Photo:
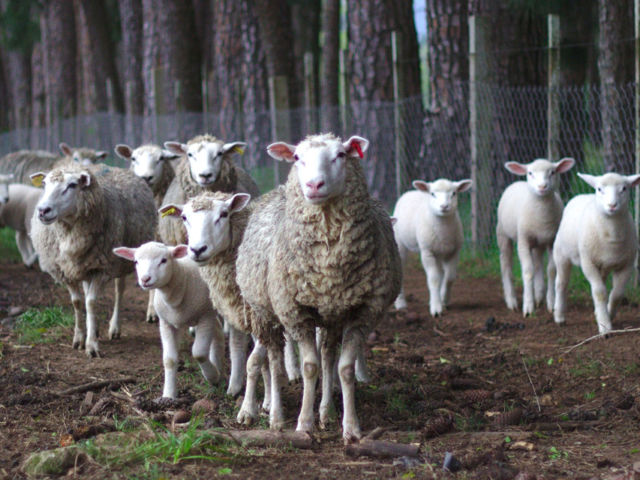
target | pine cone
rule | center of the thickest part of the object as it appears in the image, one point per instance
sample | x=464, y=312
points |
x=474, y=396
x=437, y=426
x=508, y=418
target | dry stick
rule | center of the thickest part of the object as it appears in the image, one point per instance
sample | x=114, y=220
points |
x=626, y=330
x=531, y=382
x=381, y=449
x=95, y=386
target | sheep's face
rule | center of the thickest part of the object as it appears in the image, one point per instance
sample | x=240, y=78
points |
x=60, y=196
x=541, y=174
x=442, y=194
x=612, y=190
x=321, y=164
x=4, y=188
x=147, y=161
x=154, y=262
x=82, y=156
x=205, y=158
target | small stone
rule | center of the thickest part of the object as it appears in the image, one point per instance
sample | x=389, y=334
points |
x=181, y=416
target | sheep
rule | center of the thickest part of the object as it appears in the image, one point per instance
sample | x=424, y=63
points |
x=215, y=223
x=181, y=300
x=529, y=213
x=598, y=234
x=206, y=165
x=84, y=213
x=24, y=163
x=152, y=164
x=16, y=213
x=320, y=252
x=428, y=222
x=5, y=180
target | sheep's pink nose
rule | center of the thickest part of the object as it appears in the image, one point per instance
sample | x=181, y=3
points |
x=146, y=279
x=314, y=186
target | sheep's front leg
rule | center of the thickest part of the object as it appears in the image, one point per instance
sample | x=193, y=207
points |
x=328, y=347
x=599, y=294
x=266, y=381
x=563, y=266
x=538, y=275
x=25, y=247
x=526, y=263
x=434, y=278
x=351, y=342
x=78, y=312
x=310, y=364
x=506, y=269
x=619, y=281
x=401, y=301
x=450, y=272
x=152, y=316
x=114, y=323
x=238, y=353
x=276, y=413
x=291, y=359
x=551, y=280
x=201, y=349
x=249, y=410
x=169, y=338
x=91, y=290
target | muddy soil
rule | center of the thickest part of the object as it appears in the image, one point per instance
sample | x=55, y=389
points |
x=499, y=392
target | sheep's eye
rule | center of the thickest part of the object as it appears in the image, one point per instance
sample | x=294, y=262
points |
x=296, y=157
x=530, y=173
x=184, y=218
x=599, y=190
x=454, y=194
x=224, y=214
x=190, y=155
x=342, y=155
x=553, y=173
x=72, y=185
x=624, y=188
x=164, y=260
x=433, y=195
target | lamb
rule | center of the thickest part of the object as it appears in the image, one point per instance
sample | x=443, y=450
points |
x=206, y=165
x=529, y=213
x=598, y=234
x=428, y=222
x=5, y=180
x=152, y=164
x=16, y=213
x=83, y=214
x=320, y=252
x=181, y=300
x=215, y=223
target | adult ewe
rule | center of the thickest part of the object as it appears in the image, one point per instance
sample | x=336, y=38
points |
x=529, y=213
x=83, y=214
x=321, y=253
x=597, y=233
x=17, y=204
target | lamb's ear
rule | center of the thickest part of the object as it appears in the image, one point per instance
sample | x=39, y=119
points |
x=179, y=251
x=634, y=180
x=421, y=185
x=123, y=151
x=65, y=149
x=234, y=147
x=516, y=168
x=125, y=252
x=167, y=155
x=37, y=178
x=171, y=210
x=463, y=185
x=176, y=147
x=238, y=202
x=590, y=179
x=564, y=165
x=394, y=220
x=84, y=180
x=282, y=151
x=101, y=155
x=356, y=146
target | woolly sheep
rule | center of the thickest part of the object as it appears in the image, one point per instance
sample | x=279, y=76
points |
x=529, y=213
x=215, y=223
x=428, y=222
x=5, y=180
x=320, y=252
x=83, y=214
x=598, y=234
x=181, y=300
x=206, y=165
x=16, y=213
x=152, y=164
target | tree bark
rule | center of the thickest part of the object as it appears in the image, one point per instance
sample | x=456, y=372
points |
x=329, y=89
x=38, y=92
x=17, y=66
x=131, y=52
x=305, y=21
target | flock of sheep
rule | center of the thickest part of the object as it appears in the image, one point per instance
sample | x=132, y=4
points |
x=315, y=263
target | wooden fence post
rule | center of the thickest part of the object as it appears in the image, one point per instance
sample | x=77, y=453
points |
x=399, y=94
x=553, y=84
x=310, y=103
x=280, y=121
x=159, y=105
x=345, y=99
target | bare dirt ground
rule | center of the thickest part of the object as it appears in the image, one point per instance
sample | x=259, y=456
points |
x=500, y=392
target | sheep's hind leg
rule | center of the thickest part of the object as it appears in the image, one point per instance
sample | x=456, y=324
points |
x=238, y=342
x=599, y=294
x=169, y=337
x=401, y=301
x=351, y=342
x=276, y=414
x=310, y=364
x=450, y=272
x=114, y=323
x=551, y=281
x=619, y=282
x=362, y=370
x=527, y=265
x=91, y=290
x=75, y=292
x=537, y=255
x=506, y=269
x=249, y=410
x=433, y=270
x=291, y=359
x=200, y=351
x=328, y=347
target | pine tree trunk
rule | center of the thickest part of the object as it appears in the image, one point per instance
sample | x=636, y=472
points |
x=18, y=77
x=305, y=21
x=329, y=89
x=131, y=52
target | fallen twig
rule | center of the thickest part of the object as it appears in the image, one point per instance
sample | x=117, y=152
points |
x=95, y=386
x=374, y=434
x=268, y=438
x=381, y=449
x=626, y=330
x=531, y=382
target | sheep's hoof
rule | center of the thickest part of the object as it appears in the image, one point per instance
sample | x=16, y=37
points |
x=114, y=335
x=246, y=418
x=78, y=345
x=304, y=426
x=276, y=423
x=93, y=353
x=234, y=390
x=266, y=405
x=152, y=318
x=351, y=434
x=401, y=304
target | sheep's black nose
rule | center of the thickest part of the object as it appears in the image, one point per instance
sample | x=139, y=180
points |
x=148, y=179
x=42, y=211
x=199, y=250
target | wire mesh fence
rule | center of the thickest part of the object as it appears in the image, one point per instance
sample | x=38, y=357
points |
x=408, y=140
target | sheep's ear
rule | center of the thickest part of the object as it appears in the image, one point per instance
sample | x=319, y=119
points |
x=564, y=165
x=282, y=151
x=463, y=185
x=101, y=155
x=394, y=220
x=37, y=178
x=634, y=180
x=516, y=168
x=167, y=155
x=65, y=149
x=125, y=252
x=421, y=185
x=84, y=180
x=356, y=146
x=238, y=202
x=123, y=151
x=179, y=251
x=590, y=179
x=176, y=147
x=170, y=210
x=234, y=147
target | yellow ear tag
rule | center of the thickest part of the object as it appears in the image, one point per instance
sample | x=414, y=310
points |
x=238, y=150
x=169, y=211
x=37, y=181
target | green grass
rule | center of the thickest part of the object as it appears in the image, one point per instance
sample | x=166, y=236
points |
x=8, y=248
x=41, y=326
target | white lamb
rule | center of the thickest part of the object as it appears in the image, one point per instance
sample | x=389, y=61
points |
x=5, y=180
x=428, y=222
x=529, y=213
x=597, y=233
x=181, y=299
x=19, y=204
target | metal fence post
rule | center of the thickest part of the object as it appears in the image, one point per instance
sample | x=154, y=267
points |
x=553, y=82
x=280, y=121
x=397, y=56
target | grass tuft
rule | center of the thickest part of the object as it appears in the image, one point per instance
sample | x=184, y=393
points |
x=41, y=326
x=8, y=248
